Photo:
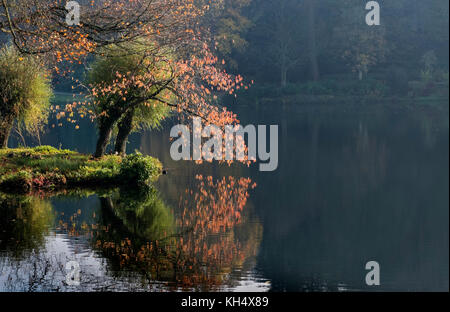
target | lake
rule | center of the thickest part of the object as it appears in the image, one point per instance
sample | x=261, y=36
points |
x=355, y=183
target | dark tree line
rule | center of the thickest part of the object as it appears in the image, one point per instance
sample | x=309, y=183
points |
x=306, y=40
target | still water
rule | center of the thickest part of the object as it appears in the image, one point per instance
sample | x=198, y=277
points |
x=354, y=184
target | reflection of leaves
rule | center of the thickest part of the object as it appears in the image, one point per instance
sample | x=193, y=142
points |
x=210, y=238
x=24, y=221
x=137, y=232
x=211, y=246
x=217, y=205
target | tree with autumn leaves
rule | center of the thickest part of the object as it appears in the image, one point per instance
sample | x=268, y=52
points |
x=161, y=52
x=129, y=80
x=126, y=83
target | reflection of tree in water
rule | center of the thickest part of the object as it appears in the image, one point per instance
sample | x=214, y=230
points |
x=38, y=272
x=208, y=239
x=141, y=213
x=368, y=167
x=24, y=222
x=145, y=243
x=371, y=155
x=213, y=223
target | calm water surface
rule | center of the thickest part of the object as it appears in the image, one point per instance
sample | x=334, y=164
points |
x=354, y=184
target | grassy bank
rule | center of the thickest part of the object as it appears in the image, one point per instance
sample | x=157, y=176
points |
x=45, y=167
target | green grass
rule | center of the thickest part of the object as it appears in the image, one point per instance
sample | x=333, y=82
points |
x=45, y=167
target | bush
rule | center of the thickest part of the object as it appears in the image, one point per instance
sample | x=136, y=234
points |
x=139, y=169
x=45, y=149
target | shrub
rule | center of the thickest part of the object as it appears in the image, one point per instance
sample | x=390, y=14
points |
x=138, y=169
x=45, y=149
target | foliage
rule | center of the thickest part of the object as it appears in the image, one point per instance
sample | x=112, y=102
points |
x=137, y=168
x=25, y=92
x=138, y=82
x=391, y=52
x=229, y=27
x=117, y=61
x=366, y=46
x=163, y=29
x=40, y=27
x=45, y=167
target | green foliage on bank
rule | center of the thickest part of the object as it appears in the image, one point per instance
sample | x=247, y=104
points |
x=45, y=167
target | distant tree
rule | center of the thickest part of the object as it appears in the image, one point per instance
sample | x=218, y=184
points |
x=229, y=27
x=287, y=35
x=25, y=92
x=415, y=27
x=360, y=45
x=278, y=35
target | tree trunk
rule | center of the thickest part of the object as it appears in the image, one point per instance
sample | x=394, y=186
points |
x=105, y=132
x=312, y=42
x=125, y=127
x=5, y=130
